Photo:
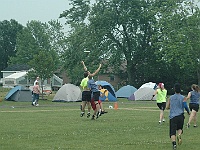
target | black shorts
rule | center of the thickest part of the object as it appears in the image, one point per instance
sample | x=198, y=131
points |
x=86, y=96
x=162, y=105
x=194, y=107
x=96, y=95
x=176, y=123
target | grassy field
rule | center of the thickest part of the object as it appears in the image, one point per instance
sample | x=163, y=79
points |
x=58, y=126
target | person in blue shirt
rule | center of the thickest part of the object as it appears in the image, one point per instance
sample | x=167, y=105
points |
x=194, y=97
x=176, y=116
x=95, y=95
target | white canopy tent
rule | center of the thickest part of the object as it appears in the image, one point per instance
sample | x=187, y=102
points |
x=15, y=79
x=150, y=85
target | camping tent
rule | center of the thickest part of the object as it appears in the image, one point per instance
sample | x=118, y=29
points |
x=68, y=93
x=126, y=91
x=144, y=93
x=150, y=85
x=110, y=96
x=19, y=93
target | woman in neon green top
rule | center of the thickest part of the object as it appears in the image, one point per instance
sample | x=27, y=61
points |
x=161, y=93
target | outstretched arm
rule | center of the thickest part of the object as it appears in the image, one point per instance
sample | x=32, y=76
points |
x=188, y=97
x=85, y=68
x=154, y=94
x=93, y=74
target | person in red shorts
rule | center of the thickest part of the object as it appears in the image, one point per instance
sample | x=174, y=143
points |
x=102, y=94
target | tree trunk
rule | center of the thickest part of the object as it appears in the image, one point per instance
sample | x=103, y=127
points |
x=130, y=72
x=42, y=83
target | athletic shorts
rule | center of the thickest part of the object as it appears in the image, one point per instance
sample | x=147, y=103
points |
x=86, y=96
x=176, y=123
x=93, y=104
x=96, y=95
x=194, y=107
x=162, y=105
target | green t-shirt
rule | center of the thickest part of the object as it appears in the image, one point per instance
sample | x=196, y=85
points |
x=84, y=83
x=161, y=95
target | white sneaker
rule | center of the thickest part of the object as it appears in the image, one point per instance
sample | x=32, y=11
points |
x=37, y=105
x=34, y=103
x=163, y=120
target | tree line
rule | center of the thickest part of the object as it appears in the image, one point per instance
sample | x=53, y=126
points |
x=157, y=40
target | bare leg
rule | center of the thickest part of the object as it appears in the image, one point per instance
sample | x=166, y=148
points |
x=96, y=111
x=173, y=138
x=161, y=115
x=83, y=108
x=89, y=106
x=195, y=118
x=192, y=116
x=179, y=132
x=179, y=140
x=101, y=106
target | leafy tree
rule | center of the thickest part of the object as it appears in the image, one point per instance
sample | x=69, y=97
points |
x=118, y=32
x=148, y=35
x=44, y=65
x=38, y=45
x=8, y=35
x=32, y=39
x=179, y=28
x=37, y=36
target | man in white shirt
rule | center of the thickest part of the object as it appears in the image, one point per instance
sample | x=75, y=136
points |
x=37, y=80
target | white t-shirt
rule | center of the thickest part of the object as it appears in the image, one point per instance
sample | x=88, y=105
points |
x=35, y=82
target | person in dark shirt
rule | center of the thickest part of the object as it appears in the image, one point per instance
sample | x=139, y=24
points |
x=176, y=116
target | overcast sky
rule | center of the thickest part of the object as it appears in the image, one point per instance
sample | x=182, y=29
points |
x=27, y=10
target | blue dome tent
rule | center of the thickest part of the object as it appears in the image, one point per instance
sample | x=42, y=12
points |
x=19, y=93
x=125, y=91
x=111, y=91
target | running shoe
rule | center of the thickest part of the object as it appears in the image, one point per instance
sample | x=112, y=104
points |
x=88, y=115
x=174, y=146
x=188, y=125
x=82, y=114
x=98, y=114
x=93, y=117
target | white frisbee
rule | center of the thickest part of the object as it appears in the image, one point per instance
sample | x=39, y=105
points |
x=86, y=51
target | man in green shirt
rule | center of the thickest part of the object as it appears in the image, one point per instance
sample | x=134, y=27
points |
x=86, y=95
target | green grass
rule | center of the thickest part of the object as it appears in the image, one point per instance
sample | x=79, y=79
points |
x=58, y=126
